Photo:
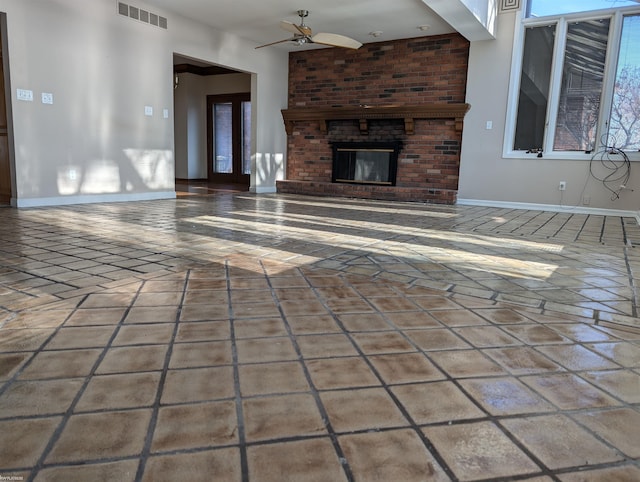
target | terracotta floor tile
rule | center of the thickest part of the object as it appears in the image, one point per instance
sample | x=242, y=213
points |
x=505, y=396
x=61, y=364
x=23, y=441
x=275, y=302
x=554, y=440
x=316, y=324
x=362, y=409
x=324, y=346
x=479, y=450
x=349, y=305
x=303, y=308
x=405, y=368
x=466, y=363
x=146, y=334
x=535, y=334
x=101, y=435
x=577, y=358
x=208, y=353
x=432, y=303
x=582, y=332
x=206, y=297
x=10, y=363
x=220, y=464
x=303, y=461
x=102, y=316
x=204, y=312
x=391, y=304
x=123, y=471
x=198, y=384
x=265, y=350
x=328, y=374
x=280, y=417
x=27, y=339
x=377, y=343
x=396, y=455
x=522, y=360
x=203, y=331
x=459, y=318
x=364, y=322
x=151, y=315
x=502, y=316
x=112, y=392
x=619, y=427
x=622, y=353
x=192, y=426
x=169, y=299
x=436, y=339
x=106, y=300
x=424, y=404
x=272, y=378
x=406, y=320
x=133, y=359
x=80, y=337
x=613, y=474
x=255, y=310
x=259, y=327
x=569, y=392
x=45, y=397
x=330, y=292
x=486, y=336
x=623, y=384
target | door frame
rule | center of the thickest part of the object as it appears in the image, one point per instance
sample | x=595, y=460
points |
x=236, y=100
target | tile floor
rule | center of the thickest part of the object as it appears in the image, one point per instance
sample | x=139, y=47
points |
x=235, y=337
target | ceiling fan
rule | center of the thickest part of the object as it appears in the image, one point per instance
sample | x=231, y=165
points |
x=304, y=35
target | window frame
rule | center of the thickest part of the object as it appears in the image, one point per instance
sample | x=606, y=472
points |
x=562, y=21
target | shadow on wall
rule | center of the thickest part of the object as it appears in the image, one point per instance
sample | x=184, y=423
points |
x=134, y=170
x=269, y=167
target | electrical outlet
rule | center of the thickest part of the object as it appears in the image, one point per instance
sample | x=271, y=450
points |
x=562, y=186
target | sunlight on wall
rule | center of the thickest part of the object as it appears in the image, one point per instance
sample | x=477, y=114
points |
x=139, y=169
x=154, y=166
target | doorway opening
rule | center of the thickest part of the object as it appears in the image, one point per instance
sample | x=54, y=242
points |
x=229, y=138
x=212, y=126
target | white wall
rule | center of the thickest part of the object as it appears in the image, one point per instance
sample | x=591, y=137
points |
x=95, y=142
x=488, y=177
x=190, y=100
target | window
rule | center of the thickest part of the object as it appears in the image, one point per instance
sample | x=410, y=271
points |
x=579, y=78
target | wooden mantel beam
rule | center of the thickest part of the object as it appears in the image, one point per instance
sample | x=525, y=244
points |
x=364, y=113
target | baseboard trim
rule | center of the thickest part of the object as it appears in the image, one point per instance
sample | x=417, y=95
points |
x=91, y=199
x=551, y=207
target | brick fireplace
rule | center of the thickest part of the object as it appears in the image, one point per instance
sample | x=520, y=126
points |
x=408, y=92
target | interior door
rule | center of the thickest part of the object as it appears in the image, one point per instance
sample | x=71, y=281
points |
x=229, y=138
x=5, y=171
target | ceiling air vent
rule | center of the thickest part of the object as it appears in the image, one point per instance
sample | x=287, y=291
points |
x=141, y=15
x=509, y=5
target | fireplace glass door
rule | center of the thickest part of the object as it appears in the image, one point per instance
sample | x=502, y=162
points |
x=365, y=164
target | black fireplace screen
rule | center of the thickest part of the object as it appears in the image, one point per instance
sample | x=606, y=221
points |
x=365, y=163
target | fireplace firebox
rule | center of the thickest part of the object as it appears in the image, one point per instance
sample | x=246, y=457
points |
x=365, y=162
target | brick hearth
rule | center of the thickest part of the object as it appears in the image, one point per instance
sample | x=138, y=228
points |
x=410, y=72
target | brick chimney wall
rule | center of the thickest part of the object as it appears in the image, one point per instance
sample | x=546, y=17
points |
x=402, y=72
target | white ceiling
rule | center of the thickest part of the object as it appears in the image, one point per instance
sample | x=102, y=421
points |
x=258, y=20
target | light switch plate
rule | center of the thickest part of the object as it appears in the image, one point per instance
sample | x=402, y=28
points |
x=26, y=95
x=148, y=110
x=165, y=113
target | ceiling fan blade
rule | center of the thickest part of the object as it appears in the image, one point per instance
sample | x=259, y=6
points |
x=275, y=43
x=335, y=40
x=295, y=29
